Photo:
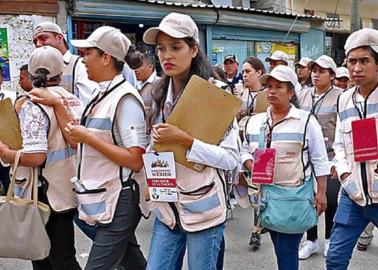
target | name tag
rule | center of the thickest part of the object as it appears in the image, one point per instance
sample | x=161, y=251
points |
x=161, y=176
x=264, y=165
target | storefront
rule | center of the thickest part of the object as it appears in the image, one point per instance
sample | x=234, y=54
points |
x=223, y=30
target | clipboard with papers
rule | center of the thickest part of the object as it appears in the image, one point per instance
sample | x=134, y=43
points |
x=205, y=112
x=10, y=132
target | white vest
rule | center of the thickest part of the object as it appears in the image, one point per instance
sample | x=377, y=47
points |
x=362, y=191
x=101, y=177
x=325, y=111
x=60, y=164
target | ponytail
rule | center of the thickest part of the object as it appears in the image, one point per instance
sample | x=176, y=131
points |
x=40, y=77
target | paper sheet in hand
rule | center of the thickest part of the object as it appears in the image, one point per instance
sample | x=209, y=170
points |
x=365, y=144
x=205, y=112
x=10, y=133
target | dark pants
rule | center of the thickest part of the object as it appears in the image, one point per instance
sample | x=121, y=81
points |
x=333, y=187
x=62, y=253
x=4, y=177
x=115, y=244
x=286, y=247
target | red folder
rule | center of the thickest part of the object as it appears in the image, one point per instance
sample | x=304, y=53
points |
x=263, y=166
x=364, y=133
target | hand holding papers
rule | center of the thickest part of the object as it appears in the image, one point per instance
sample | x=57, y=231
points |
x=205, y=112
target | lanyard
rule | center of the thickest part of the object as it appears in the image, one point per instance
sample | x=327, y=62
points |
x=97, y=99
x=249, y=106
x=318, y=104
x=173, y=105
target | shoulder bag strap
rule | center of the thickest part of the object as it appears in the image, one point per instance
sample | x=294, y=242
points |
x=13, y=180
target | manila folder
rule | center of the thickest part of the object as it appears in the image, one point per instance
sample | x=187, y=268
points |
x=10, y=133
x=205, y=112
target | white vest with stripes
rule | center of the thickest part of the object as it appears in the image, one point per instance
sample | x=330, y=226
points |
x=362, y=184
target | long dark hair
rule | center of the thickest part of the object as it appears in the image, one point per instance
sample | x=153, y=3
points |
x=256, y=64
x=200, y=66
x=40, y=78
x=294, y=99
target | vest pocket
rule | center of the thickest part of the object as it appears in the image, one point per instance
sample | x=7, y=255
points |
x=347, y=136
x=163, y=213
x=92, y=205
x=201, y=205
x=351, y=188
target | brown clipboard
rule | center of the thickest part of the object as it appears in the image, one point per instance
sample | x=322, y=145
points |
x=10, y=132
x=261, y=102
x=204, y=111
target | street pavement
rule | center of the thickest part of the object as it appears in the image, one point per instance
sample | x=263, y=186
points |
x=237, y=256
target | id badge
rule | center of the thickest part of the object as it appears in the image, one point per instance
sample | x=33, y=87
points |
x=264, y=165
x=365, y=146
x=161, y=176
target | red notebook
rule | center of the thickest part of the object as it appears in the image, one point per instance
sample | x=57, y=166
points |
x=364, y=133
x=263, y=166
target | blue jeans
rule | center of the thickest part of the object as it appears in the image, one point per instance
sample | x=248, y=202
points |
x=350, y=220
x=286, y=247
x=167, y=247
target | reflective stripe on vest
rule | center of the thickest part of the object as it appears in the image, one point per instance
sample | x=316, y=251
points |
x=296, y=137
x=60, y=154
x=99, y=123
x=94, y=208
x=201, y=206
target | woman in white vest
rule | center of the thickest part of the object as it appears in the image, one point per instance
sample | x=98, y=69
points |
x=297, y=138
x=321, y=100
x=45, y=148
x=112, y=139
x=196, y=221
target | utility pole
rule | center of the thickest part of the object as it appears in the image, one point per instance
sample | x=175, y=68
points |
x=355, y=18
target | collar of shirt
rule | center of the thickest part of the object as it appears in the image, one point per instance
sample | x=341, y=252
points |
x=67, y=57
x=153, y=77
x=293, y=113
x=105, y=85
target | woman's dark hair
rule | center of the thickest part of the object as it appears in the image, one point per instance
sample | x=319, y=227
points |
x=133, y=58
x=219, y=74
x=40, y=78
x=256, y=64
x=200, y=66
x=294, y=99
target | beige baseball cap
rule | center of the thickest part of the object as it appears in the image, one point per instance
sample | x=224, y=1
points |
x=324, y=61
x=277, y=56
x=47, y=27
x=46, y=57
x=108, y=39
x=342, y=72
x=360, y=38
x=281, y=73
x=176, y=25
x=303, y=62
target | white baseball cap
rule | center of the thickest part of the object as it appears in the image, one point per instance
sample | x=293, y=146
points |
x=342, y=72
x=281, y=73
x=324, y=61
x=304, y=61
x=108, y=39
x=49, y=27
x=360, y=38
x=277, y=56
x=46, y=57
x=176, y=25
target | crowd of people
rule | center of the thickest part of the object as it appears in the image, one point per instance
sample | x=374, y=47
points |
x=87, y=121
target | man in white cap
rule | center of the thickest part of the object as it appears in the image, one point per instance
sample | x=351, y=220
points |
x=75, y=79
x=342, y=78
x=277, y=58
x=303, y=72
x=358, y=203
